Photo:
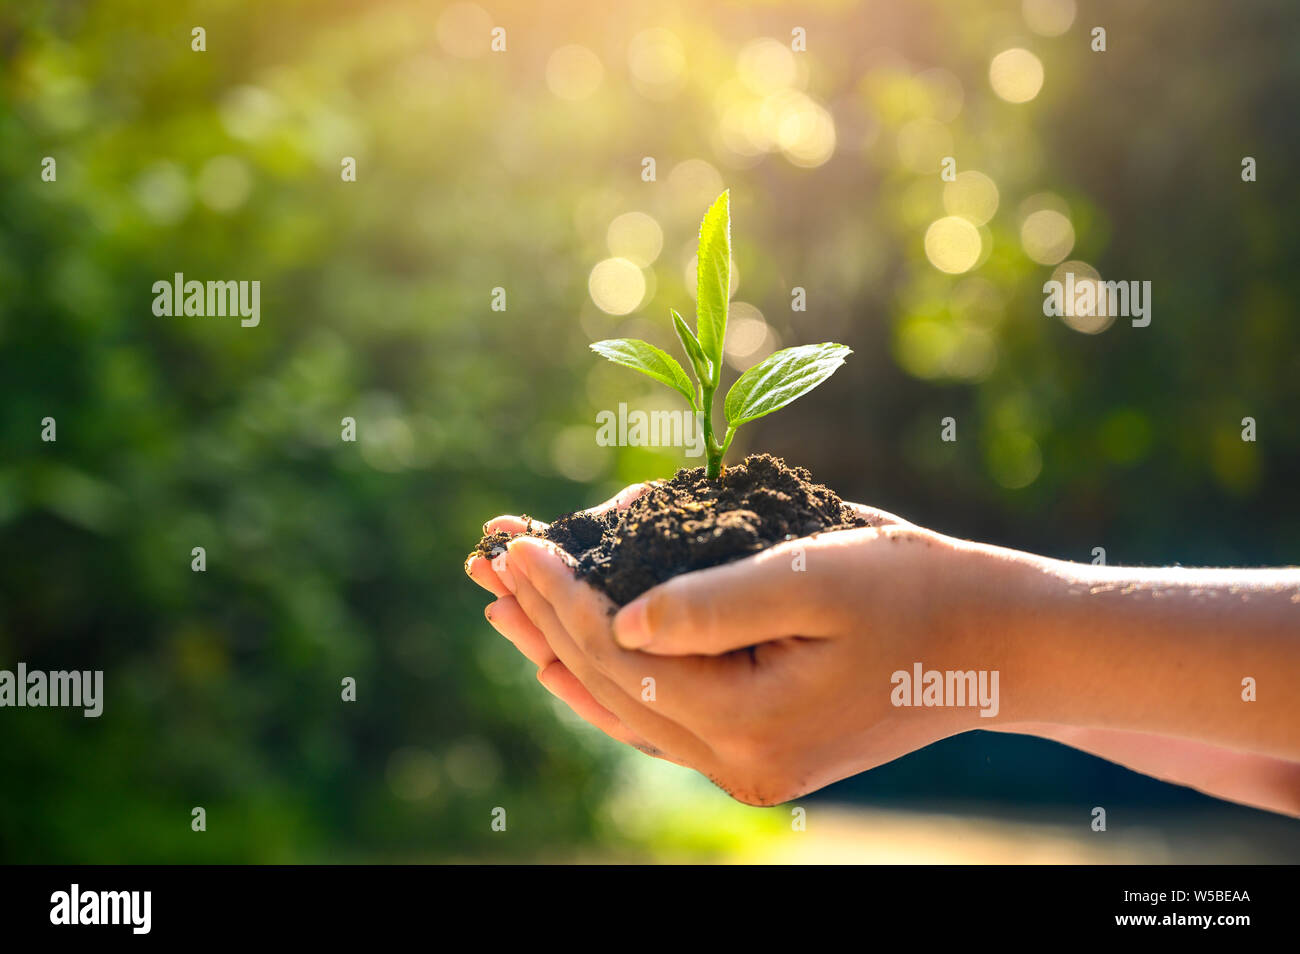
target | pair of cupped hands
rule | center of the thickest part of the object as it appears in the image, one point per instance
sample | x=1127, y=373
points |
x=769, y=675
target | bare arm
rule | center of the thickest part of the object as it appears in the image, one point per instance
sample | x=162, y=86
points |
x=1186, y=675
x=1205, y=655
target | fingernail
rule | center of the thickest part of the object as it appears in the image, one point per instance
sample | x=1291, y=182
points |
x=503, y=572
x=631, y=628
x=487, y=611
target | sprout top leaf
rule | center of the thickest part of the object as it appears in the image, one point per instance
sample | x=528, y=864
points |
x=713, y=281
x=766, y=387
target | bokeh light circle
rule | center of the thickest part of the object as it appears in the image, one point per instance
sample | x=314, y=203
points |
x=657, y=62
x=1049, y=17
x=1016, y=75
x=1047, y=236
x=953, y=245
x=766, y=65
x=574, y=72
x=971, y=195
x=617, y=286
x=749, y=337
x=1086, y=320
x=1014, y=459
x=636, y=237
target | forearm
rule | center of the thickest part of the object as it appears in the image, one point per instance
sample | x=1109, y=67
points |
x=1162, y=651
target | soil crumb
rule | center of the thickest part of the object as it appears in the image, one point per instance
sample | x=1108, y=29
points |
x=690, y=522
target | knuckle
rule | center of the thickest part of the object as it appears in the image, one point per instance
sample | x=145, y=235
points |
x=674, y=614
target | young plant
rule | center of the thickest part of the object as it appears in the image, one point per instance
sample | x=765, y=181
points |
x=766, y=387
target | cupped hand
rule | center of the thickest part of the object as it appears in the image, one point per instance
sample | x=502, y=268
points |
x=772, y=674
x=508, y=618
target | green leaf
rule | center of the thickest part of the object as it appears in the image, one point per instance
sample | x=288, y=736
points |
x=691, y=345
x=713, y=281
x=780, y=378
x=646, y=358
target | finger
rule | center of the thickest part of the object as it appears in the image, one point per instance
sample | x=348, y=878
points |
x=480, y=571
x=508, y=619
x=643, y=718
x=782, y=591
x=509, y=523
x=494, y=574
x=564, y=685
x=875, y=516
x=484, y=571
x=689, y=691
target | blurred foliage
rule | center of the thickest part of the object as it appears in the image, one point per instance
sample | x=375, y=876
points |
x=479, y=170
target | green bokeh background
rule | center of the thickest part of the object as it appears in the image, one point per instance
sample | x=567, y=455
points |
x=328, y=559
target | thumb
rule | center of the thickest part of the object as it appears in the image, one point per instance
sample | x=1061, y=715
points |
x=713, y=611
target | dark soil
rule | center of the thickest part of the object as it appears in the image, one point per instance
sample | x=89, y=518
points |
x=690, y=522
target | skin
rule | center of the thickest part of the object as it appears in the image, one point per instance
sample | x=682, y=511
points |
x=775, y=682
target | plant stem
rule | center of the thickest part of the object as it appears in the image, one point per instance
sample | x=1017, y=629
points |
x=712, y=448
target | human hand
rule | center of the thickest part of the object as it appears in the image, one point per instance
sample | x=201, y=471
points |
x=508, y=618
x=773, y=680
x=771, y=675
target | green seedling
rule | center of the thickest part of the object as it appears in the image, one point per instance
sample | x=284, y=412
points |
x=766, y=387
